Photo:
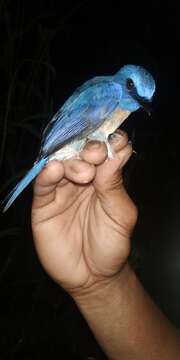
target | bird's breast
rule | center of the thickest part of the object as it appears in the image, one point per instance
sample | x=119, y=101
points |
x=114, y=121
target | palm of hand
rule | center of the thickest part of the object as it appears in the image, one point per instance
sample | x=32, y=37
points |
x=82, y=230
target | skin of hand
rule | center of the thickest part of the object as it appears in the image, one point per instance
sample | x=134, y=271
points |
x=82, y=220
x=82, y=216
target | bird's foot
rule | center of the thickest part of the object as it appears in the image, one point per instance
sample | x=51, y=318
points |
x=111, y=154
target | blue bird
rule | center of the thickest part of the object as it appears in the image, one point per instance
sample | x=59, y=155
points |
x=93, y=112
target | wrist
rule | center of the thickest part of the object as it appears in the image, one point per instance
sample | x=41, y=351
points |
x=105, y=290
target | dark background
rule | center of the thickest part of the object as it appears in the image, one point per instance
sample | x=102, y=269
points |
x=48, y=48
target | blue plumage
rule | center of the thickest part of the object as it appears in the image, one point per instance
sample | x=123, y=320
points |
x=32, y=173
x=83, y=112
x=94, y=110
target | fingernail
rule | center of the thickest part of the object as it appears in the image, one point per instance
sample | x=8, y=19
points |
x=93, y=145
x=116, y=137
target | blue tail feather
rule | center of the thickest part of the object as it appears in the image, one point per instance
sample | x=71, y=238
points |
x=32, y=173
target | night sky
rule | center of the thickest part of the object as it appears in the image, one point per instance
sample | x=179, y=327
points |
x=48, y=49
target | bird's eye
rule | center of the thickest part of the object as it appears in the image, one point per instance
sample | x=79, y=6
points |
x=130, y=84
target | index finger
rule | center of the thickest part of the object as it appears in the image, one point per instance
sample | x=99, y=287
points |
x=48, y=179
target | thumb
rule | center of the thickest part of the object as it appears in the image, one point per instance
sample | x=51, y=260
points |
x=109, y=185
x=109, y=174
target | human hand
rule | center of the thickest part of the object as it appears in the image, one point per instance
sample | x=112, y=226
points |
x=82, y=216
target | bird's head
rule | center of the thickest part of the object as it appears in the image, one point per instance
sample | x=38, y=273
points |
x=138, y=87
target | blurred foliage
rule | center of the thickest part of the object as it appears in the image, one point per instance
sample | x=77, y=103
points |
x=37, y=319
x=36, y=316
x=26, y=85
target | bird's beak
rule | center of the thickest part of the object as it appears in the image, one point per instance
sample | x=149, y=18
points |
x=143, y=102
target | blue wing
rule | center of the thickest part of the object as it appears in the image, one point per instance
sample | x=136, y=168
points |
x=82, y=113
